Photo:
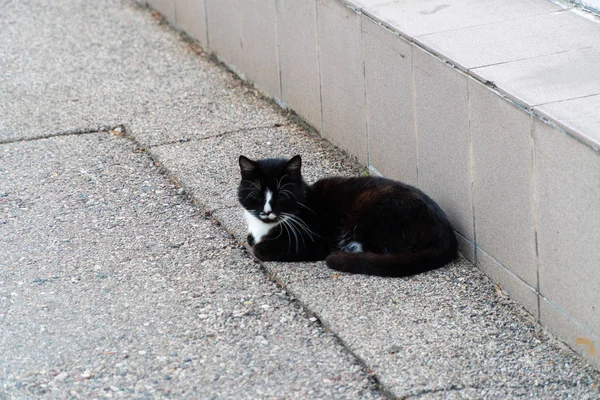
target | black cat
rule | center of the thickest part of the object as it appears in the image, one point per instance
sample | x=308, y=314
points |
x=364, y=225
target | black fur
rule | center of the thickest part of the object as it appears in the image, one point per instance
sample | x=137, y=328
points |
x=402, y=231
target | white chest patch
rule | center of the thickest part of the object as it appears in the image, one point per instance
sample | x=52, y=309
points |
x=256, y=227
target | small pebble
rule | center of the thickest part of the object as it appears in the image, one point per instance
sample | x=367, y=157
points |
x=62, y=376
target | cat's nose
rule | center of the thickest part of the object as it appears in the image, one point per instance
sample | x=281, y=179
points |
x=269, y=215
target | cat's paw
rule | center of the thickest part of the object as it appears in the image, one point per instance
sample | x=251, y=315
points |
x=261, y=252
x=250, y=239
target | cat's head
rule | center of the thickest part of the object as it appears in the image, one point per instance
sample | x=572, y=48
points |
x=271, y=188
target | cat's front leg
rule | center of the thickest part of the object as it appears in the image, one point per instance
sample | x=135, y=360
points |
x=250, y=239
x=265, y=252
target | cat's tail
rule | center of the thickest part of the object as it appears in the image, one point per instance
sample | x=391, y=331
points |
x=396, y=265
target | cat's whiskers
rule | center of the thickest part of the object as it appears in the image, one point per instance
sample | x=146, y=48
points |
x=287, y=191
x=252, y=193
x=255, y=184
x=299, y=230
x=280, y=179
x=307, y=207
x=286, y=195
x=300, y=225
x=293, y=231
x=301, y=222
x=288, y=235
x=280, y=232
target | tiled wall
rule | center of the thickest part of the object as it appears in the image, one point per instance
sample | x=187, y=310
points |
x=522, y=194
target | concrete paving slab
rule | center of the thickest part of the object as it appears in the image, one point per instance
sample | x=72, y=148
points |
x=511, y=40
x=112, y=284
x=76, y=66
x=450, y=333
x=415, y=17
x=547, y=79
x=209, y=168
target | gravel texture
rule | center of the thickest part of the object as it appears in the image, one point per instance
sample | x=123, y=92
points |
x=447, y=333
x=113, y=284
x=71, y=65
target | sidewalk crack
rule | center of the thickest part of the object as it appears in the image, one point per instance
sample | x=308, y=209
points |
x=72, y=132
x=451, y=388
x=217, y=135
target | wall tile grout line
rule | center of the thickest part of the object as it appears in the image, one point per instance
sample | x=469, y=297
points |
x=278, y=55
x=366, y=102
x=568, y=316
x=472, y=169
x=514, y=275
x=535, y=215
x=206, y=25
x=319, y=62
x=414, y=110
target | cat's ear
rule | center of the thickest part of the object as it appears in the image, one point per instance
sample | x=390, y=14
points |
x=293, y=166
x=247, y=165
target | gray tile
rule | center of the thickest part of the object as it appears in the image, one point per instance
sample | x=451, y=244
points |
x=592, y=5
x=225, y=31
x=444, y=168
x=364, y=4
x=503, y=181
x=342, y=78
x=515, y=39
x=518, y=290
x=417, y=17
x=390, y=103
x=567, y=179
x=299, y=58
x=259, y=44
x=578, y=116
x=191, y=17
x=165, y=7
x=466, y=248
x=547, y=79
x=580, y=339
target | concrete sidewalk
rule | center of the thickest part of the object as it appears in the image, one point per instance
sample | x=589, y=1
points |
x=112, y=283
